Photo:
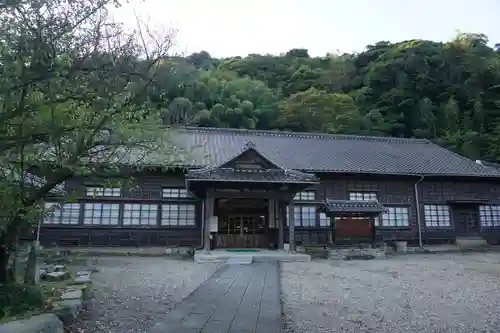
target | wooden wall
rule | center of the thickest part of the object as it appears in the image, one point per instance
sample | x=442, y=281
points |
x=391, y=190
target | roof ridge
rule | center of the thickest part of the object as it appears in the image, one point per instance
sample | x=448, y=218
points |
x=316, y=135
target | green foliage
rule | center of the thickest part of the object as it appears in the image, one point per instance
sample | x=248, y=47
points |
x=79, y=96
x=445, y=92
x=17, y=299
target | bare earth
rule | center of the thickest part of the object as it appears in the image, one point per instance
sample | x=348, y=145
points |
x=419, y=293
x=132, y=293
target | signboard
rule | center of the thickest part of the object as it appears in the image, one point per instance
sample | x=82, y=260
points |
x=214, y=224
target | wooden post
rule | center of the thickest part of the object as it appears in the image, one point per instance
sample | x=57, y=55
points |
x=281, y=224
x=291, y=227
x=209, y=211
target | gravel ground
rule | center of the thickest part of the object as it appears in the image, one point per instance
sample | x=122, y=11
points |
x=420, y=293
x=132, y=293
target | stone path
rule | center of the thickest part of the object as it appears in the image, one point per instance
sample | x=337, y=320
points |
x=236, y=299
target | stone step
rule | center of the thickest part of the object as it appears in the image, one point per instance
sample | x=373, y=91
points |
x=240, y=260
x=470, y=242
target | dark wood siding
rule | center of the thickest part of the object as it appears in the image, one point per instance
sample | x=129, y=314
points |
x=442, y=191
x=391, y=191
x=143, y=188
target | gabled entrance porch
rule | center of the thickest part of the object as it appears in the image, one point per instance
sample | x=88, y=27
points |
x=245, y=199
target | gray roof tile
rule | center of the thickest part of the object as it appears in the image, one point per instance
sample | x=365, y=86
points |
x=268, y=176
x=330, y=206
x=329, y=153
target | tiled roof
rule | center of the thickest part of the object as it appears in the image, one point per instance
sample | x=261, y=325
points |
x=245, y=175
x=492, y=164
x=316, y=152
x=352, y=207
x=30, y=179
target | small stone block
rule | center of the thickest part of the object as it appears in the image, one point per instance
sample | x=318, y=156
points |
x=48, y=268
x=83, y=273
x=92, y=269
x=84, y=279
x=56, y=276
x=47, y=322
x=59, y=268
x=67, y=311
x=75, y=294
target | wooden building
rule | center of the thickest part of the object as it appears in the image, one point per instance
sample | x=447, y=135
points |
x=261, y=189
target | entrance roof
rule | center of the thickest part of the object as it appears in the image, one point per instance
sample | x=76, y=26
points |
x=249, y=165
x=351, y=207
x=242, y=175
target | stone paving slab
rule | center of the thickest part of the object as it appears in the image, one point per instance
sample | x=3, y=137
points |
x=236, y=299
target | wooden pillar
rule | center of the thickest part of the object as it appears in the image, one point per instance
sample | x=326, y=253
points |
x=209, y=212
x=281, y=224
x=291, y=227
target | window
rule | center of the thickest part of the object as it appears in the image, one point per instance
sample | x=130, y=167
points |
x=96, y=191
x=437, y=216
x=139, y=214
x=362, y=196
x=489, y=216
x=175, y=193
x=395, y=217
x=324, y=221
x=178, y=214
x=101, y=214
x=56, y=213
x=305, y=196
x=305, y=216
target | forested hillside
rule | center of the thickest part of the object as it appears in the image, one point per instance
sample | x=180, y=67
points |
x=446, y=92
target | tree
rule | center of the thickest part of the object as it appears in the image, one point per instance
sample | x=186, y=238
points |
x=74, y=101
x=318, y=111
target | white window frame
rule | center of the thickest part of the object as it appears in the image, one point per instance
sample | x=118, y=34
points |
x=489, y=216
x=395, y=217
x=174, y=193
x=437, y=216
x=362, y=196
x=303, y=213
x=324, y=221
x=61, y=213
x=101, y=191
x=101, y=214
x=309, y=195
x=140, y=215
x=178, y=215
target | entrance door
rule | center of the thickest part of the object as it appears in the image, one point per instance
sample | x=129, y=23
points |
x=242, y=231
x=466, y=220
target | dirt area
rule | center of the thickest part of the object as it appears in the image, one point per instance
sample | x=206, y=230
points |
x=132, y=293
x=416, y=293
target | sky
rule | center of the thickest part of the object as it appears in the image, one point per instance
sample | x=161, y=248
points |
x=227, y=28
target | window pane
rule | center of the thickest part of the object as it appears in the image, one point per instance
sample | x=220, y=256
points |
x=175, y=193
x=52, y=213
x=324, y=221
x=56, y=213
x=362, y=196
x=139, y=214
x=489, y=215
x=101, y=214
x=305, y=195
x=437, y=216
x=95, y=191
x=178, y=215
x=394, y=217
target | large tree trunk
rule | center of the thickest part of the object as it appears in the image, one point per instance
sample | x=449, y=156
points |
x=6, y=274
